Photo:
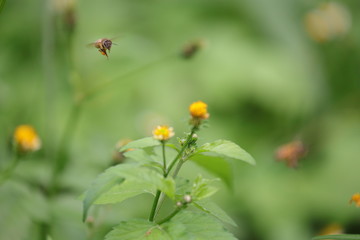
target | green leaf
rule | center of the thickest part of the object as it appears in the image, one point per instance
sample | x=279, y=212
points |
x=102, y=184
x=339, y=237
x=227, y=149
x=196, y=225
x=216, y=165
x=213, y=209
x=135, y=179
x=202, y=188
x=141, y=156
x=138, y=229
x=141, y=143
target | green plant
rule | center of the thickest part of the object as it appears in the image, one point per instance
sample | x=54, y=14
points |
x=147, y=171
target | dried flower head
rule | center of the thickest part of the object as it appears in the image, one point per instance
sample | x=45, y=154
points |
x=328, y=21
x=192, y=48
x=118, y=156
x=163, y=133
x=26, y=139
x=291, y=153
x=356, y=198
x=332, y=229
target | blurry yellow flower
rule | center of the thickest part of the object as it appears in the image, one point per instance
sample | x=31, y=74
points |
x=198, y=110
x=26, y=138
x=356, y=198
x=163, y=133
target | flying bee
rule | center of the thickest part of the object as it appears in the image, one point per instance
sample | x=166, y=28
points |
x=103, y=44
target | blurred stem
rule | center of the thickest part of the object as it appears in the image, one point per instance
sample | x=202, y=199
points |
x=61, y=160
x=98, y=88
x=6, y=174
x=2, y=4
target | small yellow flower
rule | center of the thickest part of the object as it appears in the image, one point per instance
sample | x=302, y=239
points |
x=163, y=133
x=26, y=138
x=198, y=110
x=356, y=198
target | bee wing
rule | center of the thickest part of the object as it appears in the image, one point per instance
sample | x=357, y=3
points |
x=89, y=45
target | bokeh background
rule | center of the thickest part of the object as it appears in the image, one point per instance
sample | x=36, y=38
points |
x=271, y=72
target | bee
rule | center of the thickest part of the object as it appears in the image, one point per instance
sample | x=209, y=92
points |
x=103, y=44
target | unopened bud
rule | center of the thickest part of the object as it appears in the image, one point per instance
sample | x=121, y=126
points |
x=179, y=204
x=187, y=198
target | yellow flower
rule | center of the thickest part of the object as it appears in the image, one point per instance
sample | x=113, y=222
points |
x=198, y=110
x=26, y=138
x=163, y=133
x=356, y=198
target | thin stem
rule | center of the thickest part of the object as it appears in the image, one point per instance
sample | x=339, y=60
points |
x=176, y=211
x=93, y=91
x=6, y=174
x=62, y=161
x=164, y=157
x=162, y=198
x=153, y=209
x=181, y=151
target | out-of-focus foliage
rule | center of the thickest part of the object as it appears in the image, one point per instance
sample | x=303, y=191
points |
x=267, y=79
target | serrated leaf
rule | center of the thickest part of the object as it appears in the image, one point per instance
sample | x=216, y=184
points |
x=202, y=189
x=124, y=191
x=102, y=184
x=139, y=179
x=339, y=237
x=196, y=225
x=141, y=156
x=141, y=143
x=138, y=229
x=227, y=149
x=216, y=165
x=213, y=209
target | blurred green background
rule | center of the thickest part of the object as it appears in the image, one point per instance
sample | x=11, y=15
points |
x=270, y=71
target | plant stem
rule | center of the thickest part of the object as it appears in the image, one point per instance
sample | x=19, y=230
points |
x=93, y=91
x=61, y=160
x=162, y=198
x=181, y=151
x=156, y=200
x=176, y=211
x=158, y=193
x=164, y=157
x=6, y=174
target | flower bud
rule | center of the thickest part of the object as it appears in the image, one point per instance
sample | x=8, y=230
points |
x=26, y=139
x=187, y=198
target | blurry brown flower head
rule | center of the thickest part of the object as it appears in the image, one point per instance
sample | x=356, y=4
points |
x=356, y=199
x=291, y=153
x=328, y=21
x=26, y=139
x=118, y=156
x=163, y=133
x=192, y=48
x=331, y=229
